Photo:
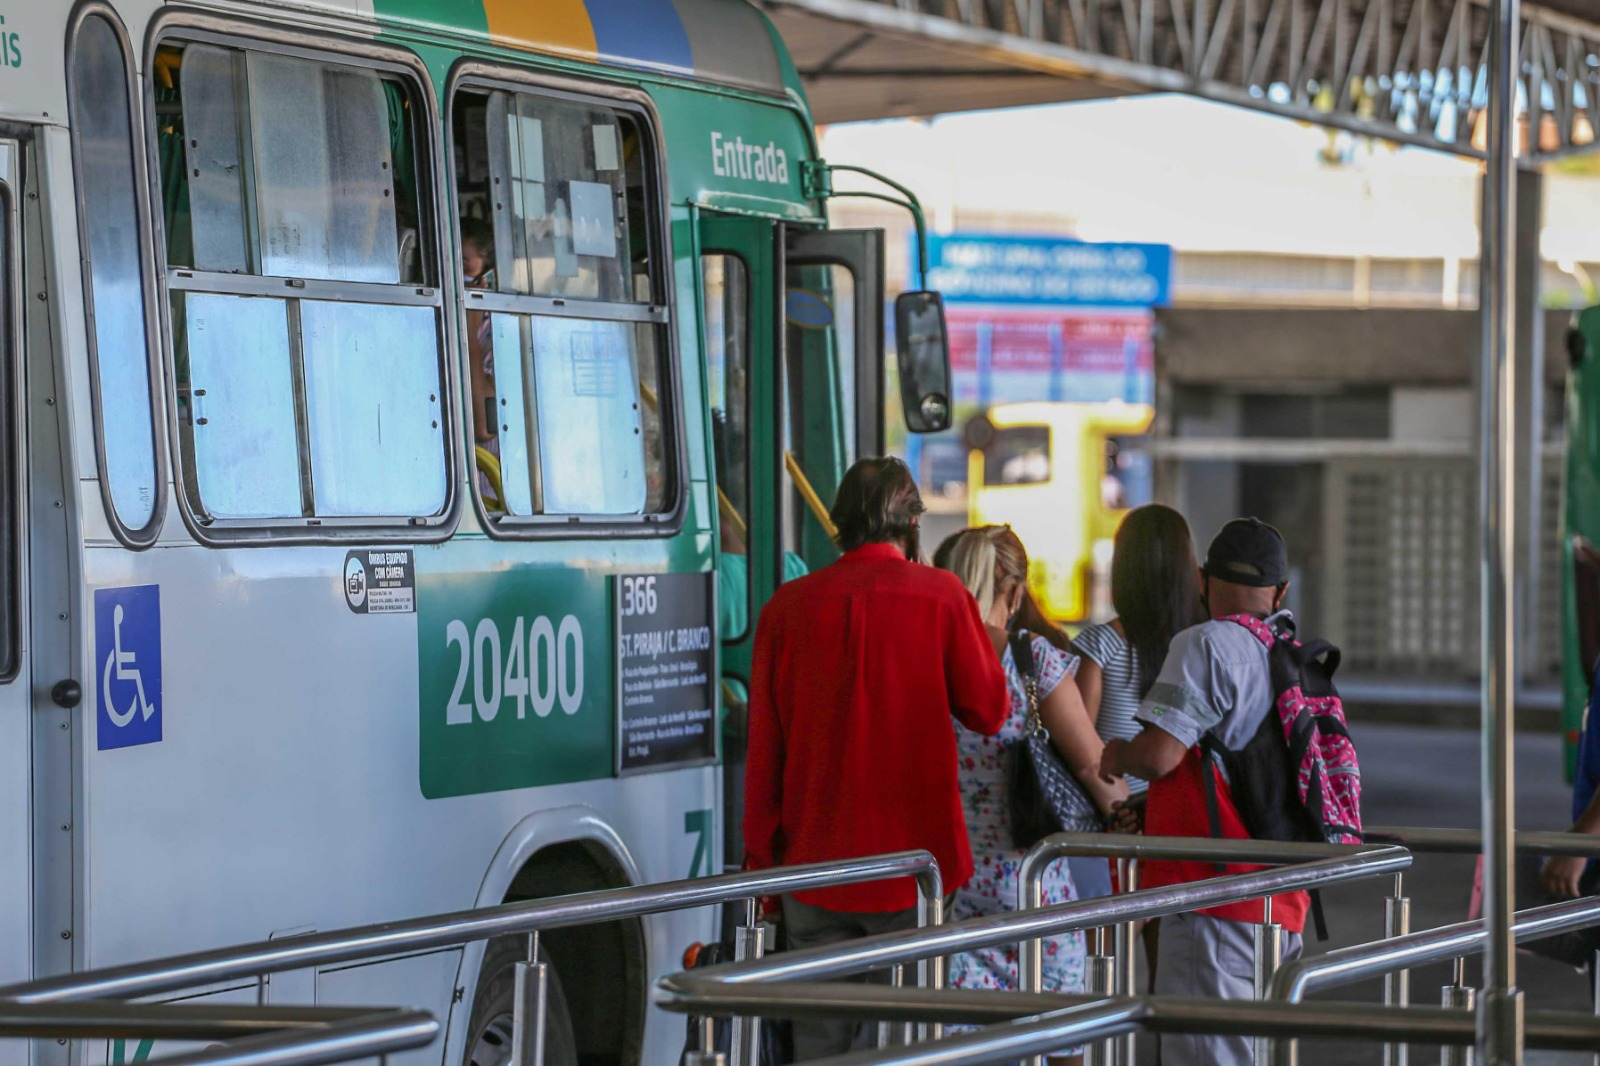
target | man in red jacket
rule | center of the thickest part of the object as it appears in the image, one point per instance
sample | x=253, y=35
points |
x=858, y=669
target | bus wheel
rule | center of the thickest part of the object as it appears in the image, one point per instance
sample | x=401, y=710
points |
x=489, y=1035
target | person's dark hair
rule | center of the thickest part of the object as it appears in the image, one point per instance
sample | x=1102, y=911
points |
x=877, y=503
x=477, y=231
x=990, y=560
x=946, y=548
x=1155, y=585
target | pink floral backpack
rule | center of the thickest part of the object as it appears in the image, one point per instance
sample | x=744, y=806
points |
x=1298, y=778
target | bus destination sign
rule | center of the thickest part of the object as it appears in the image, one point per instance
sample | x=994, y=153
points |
x=666, y=671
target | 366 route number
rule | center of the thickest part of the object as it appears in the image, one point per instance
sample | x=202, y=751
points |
x=638, y=595
x=540, y=666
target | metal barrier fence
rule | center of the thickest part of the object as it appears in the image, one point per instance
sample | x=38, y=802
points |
x=1389, y=958
x=727, y=989
x=267, y=1036
x=374, y=1034
x=258, y=1035
x=1114, y=974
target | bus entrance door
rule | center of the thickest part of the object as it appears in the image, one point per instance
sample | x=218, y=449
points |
x=793, y=323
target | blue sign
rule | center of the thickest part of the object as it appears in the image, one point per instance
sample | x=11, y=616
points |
x=127, y=656
x=1003, y=269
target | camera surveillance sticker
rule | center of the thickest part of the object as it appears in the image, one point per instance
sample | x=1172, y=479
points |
x=380, y=581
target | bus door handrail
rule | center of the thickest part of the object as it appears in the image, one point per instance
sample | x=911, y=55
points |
x=257, y=1035
x=454, y=929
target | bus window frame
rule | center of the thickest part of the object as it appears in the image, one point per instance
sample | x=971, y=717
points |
x=148, y=226
x=471, y=72
x=12, y=450
x=190, y=27
x=749, y=406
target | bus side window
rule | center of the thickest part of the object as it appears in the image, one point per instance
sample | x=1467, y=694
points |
x=309, y=363
x=116, y=285
x=566, y=399
x=727, y=310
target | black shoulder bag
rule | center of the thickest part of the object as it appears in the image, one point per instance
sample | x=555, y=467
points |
x=1042, y=795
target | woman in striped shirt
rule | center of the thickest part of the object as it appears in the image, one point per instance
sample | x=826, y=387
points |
x=1155, y=588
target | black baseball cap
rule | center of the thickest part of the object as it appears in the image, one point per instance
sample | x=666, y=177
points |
x=1247, y=551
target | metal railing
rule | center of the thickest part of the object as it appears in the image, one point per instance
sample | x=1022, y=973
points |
x=1427, y=841
x=356, y=1038
x=1363, y=961
x=1018, y=1025
x=256, y=1035
x=727, y=989
x=1114, y=974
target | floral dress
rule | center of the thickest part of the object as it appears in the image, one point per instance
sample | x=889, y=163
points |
x=993, y=887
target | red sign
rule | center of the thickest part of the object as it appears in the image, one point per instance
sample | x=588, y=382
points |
x=1042, y=341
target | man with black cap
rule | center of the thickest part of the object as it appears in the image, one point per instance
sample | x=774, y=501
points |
x=1216, y=682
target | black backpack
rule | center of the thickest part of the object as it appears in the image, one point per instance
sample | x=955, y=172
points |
x=1297, y=777
x=777, y=1036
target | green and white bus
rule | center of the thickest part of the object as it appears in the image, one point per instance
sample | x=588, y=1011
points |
x=393, y=389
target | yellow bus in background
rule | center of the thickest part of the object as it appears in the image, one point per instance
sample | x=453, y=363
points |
x=1056, y=473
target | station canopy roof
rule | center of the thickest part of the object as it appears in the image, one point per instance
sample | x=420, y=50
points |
x=1405, y=70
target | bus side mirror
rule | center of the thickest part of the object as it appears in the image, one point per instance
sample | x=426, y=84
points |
x=923, y=351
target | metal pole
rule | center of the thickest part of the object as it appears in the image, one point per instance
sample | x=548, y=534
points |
x=1594, y=986
x=531, y=991
x=1127, y=1048
x=1101, y=972
x=1268, y=950
x=1460, y=996
x=745, y=1040
x=705, y=1058
x=1500, y=1015
x=1396, y=986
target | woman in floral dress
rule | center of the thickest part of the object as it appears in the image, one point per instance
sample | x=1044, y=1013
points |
x=992, y=563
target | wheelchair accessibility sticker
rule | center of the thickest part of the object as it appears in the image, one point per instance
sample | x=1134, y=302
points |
x=127, y=650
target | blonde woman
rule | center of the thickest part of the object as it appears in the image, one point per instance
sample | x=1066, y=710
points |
x=993, y=565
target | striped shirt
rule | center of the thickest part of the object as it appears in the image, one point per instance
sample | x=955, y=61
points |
x=1119, y=685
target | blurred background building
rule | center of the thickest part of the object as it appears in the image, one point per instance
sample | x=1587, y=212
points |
x=1307, y=345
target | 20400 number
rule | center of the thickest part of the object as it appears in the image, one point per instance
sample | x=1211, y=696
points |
x=540, y=666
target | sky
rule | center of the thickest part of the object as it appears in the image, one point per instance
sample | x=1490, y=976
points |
x=1201, y=176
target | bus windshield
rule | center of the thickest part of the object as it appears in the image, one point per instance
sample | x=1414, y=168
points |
x=1019, y=455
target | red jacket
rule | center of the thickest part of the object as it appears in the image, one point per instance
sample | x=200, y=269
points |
x=1176, y=807
x=858, y=669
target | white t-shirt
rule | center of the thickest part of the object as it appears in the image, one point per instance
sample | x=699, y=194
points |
x=1216, y=679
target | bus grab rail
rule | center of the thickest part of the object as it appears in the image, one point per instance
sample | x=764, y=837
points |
x=259, y=1035
x=255, y=960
